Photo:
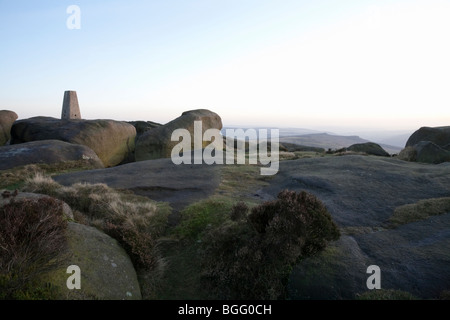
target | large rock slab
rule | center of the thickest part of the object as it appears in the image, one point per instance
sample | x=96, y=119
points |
x=414, y=257
x=362, y=190
x=106, y=270
x=160, y=180
x=361, y=193
x=156, y=143
x=7, y=119
x=47, y=152
x=113, y=141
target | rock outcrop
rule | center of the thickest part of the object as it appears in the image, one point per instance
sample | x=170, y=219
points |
x=143, y=126
x=112, y=141
x=438, y=135
x=156, y=143
x=426, y=152
x=159, y=179
x=369, y=148
x=428, y=145
x=7, y=119
x=47, y=152
x=106, y=270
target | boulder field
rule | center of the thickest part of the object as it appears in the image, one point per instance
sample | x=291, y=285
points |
x=112, y=141
x=360, y=192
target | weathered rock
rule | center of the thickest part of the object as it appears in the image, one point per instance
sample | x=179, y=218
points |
x=369, y=148
x=47, y=152
x=413, y=257
x=7, y=196
x=70, y=108
x=7, y=119
x=438, y=135
x=156, y=143
x=111, y=140
x=336, y=273
x=159, y=179
x=107, y=272
x=428, y=152
x=143, y=126
x=425, y=152
x=340, y=271
x=408, y=154
x=360, y=190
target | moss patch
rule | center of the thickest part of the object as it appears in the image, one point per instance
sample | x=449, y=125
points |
x=386, y=294
x=419, y=211
x=203, y=215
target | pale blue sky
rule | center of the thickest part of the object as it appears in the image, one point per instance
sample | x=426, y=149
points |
x=290, y=63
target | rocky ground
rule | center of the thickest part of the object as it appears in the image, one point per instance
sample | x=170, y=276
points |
x=361, y=193
x=158, y=179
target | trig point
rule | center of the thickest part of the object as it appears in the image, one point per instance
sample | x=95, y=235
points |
x=70, y=109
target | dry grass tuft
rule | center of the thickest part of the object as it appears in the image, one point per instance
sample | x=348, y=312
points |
x=32, y=242
x=135, y=222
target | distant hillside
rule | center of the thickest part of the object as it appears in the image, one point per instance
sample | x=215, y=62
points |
x=323, y=140
x=319, y=139
x=283, y=132
x=398, y=140
x=328, y=141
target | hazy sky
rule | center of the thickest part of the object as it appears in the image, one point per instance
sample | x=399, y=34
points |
x=290, y=63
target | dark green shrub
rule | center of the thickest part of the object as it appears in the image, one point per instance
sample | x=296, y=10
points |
x=201, y=216
x=252, y=259
x=140, y=246
x=32, y=242
x=239, y=211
